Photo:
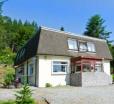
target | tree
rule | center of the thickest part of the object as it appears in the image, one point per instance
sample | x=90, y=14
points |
x=24, y=96
x=95, y=28
x=13, y=35
x=1, y=5
x=62, y=29
x=7, y=56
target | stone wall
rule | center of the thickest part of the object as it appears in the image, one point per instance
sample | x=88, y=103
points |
x=95, y=79
x=90, y=79
x=75, y=79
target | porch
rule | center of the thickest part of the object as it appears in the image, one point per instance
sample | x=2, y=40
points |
x=88, y=71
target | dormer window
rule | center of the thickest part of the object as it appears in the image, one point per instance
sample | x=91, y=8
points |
x=82, y=46
x=72, y=44
x=91, y=47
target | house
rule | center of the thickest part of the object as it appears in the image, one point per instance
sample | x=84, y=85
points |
x=61, y=58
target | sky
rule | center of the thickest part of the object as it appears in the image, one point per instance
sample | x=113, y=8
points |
x=73, y=15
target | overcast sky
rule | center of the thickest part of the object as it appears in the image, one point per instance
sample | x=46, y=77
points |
x=71, y=14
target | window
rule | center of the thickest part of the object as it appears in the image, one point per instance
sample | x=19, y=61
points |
x=59, y=66
x=72, y=44
x=86, y=68
x=98, y=67
x=91, y=47
x=82, y=46
x=30, y=70
x=21, y=70
x=78, y=68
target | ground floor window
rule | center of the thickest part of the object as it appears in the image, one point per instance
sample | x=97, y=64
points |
x=98, y=67
x=59, y=67
x=21, y=70
x=86, y=67
x=30, y=69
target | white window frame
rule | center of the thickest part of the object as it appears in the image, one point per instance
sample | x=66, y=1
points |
x=66, y=70
x=92, y=44
x=85, y=43
x=75, y=44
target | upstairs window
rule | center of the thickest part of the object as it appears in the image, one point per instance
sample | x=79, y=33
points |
x=82, y=46
x=91, y=47
x=72, y=44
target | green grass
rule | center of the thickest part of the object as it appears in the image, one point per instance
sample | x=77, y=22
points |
x=7, y=102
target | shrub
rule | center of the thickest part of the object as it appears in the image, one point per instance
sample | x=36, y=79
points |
x=8, y=79
x=48, y=85
x=24, y=96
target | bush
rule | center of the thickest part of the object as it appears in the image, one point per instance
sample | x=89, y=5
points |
x=24, y=96
x=8, y=79
x=48, y=85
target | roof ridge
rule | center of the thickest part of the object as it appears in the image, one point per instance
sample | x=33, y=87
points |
x=70, y=33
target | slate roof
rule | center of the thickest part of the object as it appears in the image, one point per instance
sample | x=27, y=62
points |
x=49, y=41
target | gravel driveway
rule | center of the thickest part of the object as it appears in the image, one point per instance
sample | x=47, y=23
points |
x=70, y=95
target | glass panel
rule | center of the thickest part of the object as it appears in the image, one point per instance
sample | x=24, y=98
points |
x=30, y=71
x=58, y=62
x=59, y=66
x=98, y=68
x=86, y=68
x=78, y=68
x=21, y=70
x=83, y=46
x=91, y=47
x=72, y=44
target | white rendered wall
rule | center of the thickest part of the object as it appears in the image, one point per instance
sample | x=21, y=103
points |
x=106, y=66
x=45, y=71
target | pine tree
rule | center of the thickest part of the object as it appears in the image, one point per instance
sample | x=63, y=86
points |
x=24, y=96
x=95, y=28
x=1, y=5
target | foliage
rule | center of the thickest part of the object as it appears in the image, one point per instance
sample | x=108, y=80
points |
x=95, y=28
x=13, y=35
x=1, y=5
x=48, y=85
x=5, y=72
x=24, y=96
x=6, y=56
x=7, y=102
x=7, y=75
x=8, y=79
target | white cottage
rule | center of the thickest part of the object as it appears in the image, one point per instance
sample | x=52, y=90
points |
x=63, y=58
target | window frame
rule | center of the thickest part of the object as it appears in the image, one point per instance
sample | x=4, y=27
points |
x=98, y=64
x=61, y=73
x=93, y=45
x=79, y=46
x=29, y=70
x=76, y=44
x=87, y=64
